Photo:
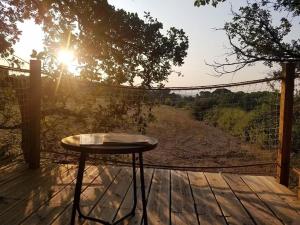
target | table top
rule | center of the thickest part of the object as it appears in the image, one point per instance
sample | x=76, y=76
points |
x=109, y=143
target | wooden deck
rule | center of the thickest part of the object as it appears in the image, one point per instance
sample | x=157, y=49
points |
x=45, y=196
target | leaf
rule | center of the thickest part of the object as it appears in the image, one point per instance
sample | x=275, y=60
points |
x=33, y=54
x=40, y=55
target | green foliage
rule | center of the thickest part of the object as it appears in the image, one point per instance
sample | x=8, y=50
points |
x=178, y=101
x=12, y=95
x=249, y=116
x=206, y=2
x=290, y=5
x=72, y=105
x=233, y=120
x=254, y=36
x=111, y=45
x=256, y=126
x=119, y=46
x=258, y=38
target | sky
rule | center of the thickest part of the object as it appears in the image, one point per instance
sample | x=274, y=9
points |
x=205, y=43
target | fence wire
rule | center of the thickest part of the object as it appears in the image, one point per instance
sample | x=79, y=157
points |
x=232, y=128
x=295, y=159
x=14, y=111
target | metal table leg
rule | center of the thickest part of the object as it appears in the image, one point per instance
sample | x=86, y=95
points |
x=132, y=211
x=78, y=187
x=145, y=219
x=76, y=202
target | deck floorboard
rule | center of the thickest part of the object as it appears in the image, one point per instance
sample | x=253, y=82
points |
x=45, y=196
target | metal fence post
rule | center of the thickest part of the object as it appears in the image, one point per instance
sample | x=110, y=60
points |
x=285, y=123
x=35, y=113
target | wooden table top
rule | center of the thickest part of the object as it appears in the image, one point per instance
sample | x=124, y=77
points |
x=109, y=143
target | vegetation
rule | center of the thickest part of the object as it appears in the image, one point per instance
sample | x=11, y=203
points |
x=253, y=117
x=112, y=47
x=80, y=106
x=254, y=35
x=115, y=47
x=249, y=116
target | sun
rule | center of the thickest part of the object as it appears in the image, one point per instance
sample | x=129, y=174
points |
x=67, y=58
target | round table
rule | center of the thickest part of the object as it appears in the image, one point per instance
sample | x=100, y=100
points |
x=109, y=143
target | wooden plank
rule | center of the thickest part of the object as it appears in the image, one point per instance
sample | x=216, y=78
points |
x=34, y=199
x=20, y=188
x=282, y=210
x=127, y=202
x=285, y=123
x=158, y=206
x=12, y=192
x=207, y=207
x=6, y=165
x=182, y=204
x=231, y=207
x=16, y=170
x=52, y=208
x=91, y=195
x=109, y=204
x=12, y=173
x=282, y=191
x=258, y=210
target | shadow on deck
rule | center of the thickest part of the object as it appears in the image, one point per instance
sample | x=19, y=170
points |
x=45, y=196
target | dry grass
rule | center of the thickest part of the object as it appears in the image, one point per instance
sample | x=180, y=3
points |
x=184, y=141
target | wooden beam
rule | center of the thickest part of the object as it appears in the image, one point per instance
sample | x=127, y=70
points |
x=35, y=113
x=285, y=123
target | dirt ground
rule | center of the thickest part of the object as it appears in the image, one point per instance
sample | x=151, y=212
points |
x=184, y=141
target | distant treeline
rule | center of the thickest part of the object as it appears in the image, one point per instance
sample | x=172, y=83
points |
x=253, y=117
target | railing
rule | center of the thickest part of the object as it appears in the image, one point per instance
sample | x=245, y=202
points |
x=21, y=95
x=50, y=110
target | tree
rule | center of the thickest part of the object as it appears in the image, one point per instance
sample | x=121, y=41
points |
x=114, y=44
x=112, y=47
x=291, y=5
x=254, y=37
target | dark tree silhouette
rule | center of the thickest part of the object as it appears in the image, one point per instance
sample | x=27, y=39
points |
x=254, y=37
x=111, y=44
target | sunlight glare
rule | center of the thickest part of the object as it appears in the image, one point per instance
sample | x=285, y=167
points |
x=66, y=57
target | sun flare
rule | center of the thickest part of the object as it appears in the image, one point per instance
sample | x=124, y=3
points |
x=67, y=58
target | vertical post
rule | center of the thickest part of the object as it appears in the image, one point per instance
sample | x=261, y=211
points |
x=285, y=123
x=35, y=113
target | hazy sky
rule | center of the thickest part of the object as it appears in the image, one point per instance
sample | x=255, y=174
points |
x=206, y=44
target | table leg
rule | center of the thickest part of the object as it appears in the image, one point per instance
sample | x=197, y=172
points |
x=78, y=187
x=76, y=202
x=134, y=185
x=132, y=211
x=143, y=189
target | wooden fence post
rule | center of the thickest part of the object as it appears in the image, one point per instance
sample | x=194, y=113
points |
x=35, y=113
x=285, y=123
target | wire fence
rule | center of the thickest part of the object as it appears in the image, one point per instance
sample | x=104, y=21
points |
x=295, y=159
x=230, y=127
x=14, y=111
x=226, y=128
